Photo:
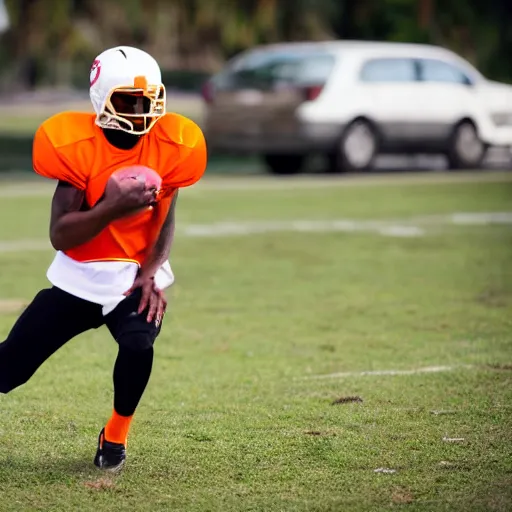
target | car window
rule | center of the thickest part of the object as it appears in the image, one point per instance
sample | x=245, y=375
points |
x=389, y=70
x=269, y=70
x=432, y=70
x=314, y=70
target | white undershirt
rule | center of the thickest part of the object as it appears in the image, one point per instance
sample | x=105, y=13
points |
x=100, y=282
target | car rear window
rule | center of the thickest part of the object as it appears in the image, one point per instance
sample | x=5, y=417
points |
x=271, y=70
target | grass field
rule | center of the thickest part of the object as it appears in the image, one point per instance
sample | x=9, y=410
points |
x=358, y=360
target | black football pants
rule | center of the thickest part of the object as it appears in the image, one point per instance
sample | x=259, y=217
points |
x=54, y=317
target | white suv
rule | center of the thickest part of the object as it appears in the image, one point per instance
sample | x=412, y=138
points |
x=352, y=100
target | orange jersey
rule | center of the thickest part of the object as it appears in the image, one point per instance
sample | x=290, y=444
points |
x=71, y=148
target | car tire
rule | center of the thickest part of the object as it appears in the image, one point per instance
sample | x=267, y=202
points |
x=284, y=164
x=357, y=148
x=466, y=149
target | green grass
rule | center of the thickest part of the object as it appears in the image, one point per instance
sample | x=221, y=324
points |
x=233, y=419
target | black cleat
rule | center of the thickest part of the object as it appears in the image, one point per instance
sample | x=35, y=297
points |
x=109, y=456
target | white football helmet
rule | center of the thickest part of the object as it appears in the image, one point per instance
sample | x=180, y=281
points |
x=126, y=90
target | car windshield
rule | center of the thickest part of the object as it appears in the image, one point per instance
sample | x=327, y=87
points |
x=271, y=70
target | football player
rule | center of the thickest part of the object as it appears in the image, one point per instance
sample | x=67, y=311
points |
x=112, y=236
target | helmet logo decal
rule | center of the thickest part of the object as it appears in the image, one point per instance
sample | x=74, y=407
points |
x=95, y=71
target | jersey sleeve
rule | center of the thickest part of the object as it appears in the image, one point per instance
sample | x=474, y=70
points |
x=50, y=162
x=192, y=162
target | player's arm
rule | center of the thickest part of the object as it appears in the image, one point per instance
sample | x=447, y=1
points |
x=188, y=172
x=71, y=227
x=161, y=249
x=153, y=298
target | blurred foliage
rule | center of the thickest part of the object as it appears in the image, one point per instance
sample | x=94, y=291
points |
x=51, y=42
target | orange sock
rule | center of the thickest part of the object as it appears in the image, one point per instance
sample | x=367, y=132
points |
x=116, y=430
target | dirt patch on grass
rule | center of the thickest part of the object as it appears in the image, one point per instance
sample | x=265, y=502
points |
x=402, y=496
x=347, y=400
x=102, y=484
x=319, y=433
x=501, y=367
x=493, y=298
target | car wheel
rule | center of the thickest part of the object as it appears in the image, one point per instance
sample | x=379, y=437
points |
x=466, y=150
x=283, y=164
x=357, y=148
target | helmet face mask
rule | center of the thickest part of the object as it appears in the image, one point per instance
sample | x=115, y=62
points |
x=126, y=90
x=135, y=110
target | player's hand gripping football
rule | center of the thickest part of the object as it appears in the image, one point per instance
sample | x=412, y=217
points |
x=129, y=195
x=153, y=299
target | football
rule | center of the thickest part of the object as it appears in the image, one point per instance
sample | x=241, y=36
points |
x=139, y=172
x=151, y=178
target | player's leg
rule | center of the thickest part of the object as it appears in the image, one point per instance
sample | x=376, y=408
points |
x=132, y=370
x=52, y=319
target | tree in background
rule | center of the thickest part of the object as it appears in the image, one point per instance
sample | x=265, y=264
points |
x=50, y=41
